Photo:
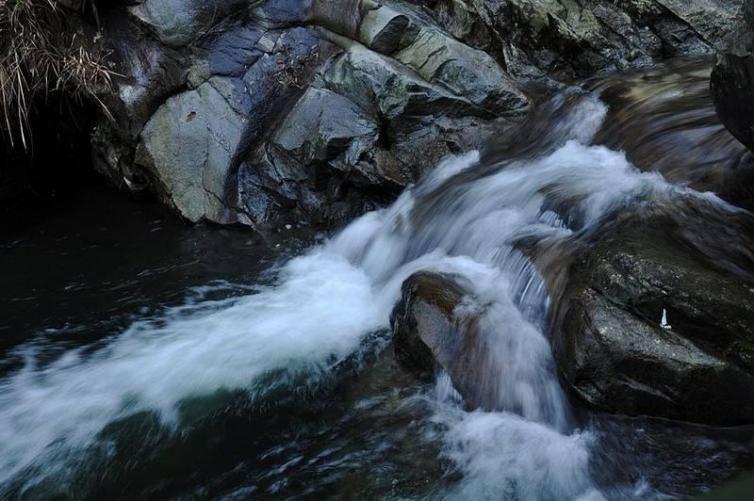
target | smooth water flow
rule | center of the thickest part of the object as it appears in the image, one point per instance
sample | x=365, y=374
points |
x=468, y=218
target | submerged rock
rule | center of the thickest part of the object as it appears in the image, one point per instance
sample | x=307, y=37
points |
x=665, y=121
x=433, y=330
x=658, y=316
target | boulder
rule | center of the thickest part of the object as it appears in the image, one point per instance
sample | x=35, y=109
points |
x=658, y=316
x=435, y=328
x=189, y=144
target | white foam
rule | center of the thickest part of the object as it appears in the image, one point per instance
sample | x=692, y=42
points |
x=313, y=318
x=503, y=456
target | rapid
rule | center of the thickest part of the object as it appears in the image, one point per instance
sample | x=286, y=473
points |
x=322, y=316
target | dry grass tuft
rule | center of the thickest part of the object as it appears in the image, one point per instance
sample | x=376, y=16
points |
x=43, y=50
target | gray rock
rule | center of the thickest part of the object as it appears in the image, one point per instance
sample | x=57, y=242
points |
x=412, y=88
x=324, y=125
x=234, y=51
x=386, y=30
x=179, y=22
x=465, y=71
x=713, y=20
x=567, y=39
x=350, y=125
x=415, y=41
x=392, y=90
x=339, y=16
x=189, y=144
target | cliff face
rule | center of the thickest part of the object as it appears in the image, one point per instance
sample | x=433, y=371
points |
x=261, y=112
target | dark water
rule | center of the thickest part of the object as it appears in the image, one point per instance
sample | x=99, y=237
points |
x=77, y=272
x=131, y=347
x=81, y=267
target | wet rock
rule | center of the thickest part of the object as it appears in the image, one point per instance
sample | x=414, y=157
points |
x=423, y=320
x=649, y=326
x=435, y=329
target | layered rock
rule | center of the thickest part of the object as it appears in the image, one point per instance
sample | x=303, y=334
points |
x=255, y=113
x=565, y=39
x=207, y=114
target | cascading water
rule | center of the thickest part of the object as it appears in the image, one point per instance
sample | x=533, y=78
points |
x=467, y=218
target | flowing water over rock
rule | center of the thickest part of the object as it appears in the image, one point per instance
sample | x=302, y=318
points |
x=289, y=379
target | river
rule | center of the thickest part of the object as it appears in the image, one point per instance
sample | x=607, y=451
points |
x=141, y=358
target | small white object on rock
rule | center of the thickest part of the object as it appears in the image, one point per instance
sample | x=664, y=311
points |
x=288, y=226
x=664, y=321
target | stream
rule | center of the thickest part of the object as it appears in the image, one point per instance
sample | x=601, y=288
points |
x=140, y=358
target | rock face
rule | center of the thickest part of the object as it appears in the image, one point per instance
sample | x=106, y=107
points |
x=648, y=325
x=733, y=77
x=565, y=39
x=262, y=112
x=259, y=112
